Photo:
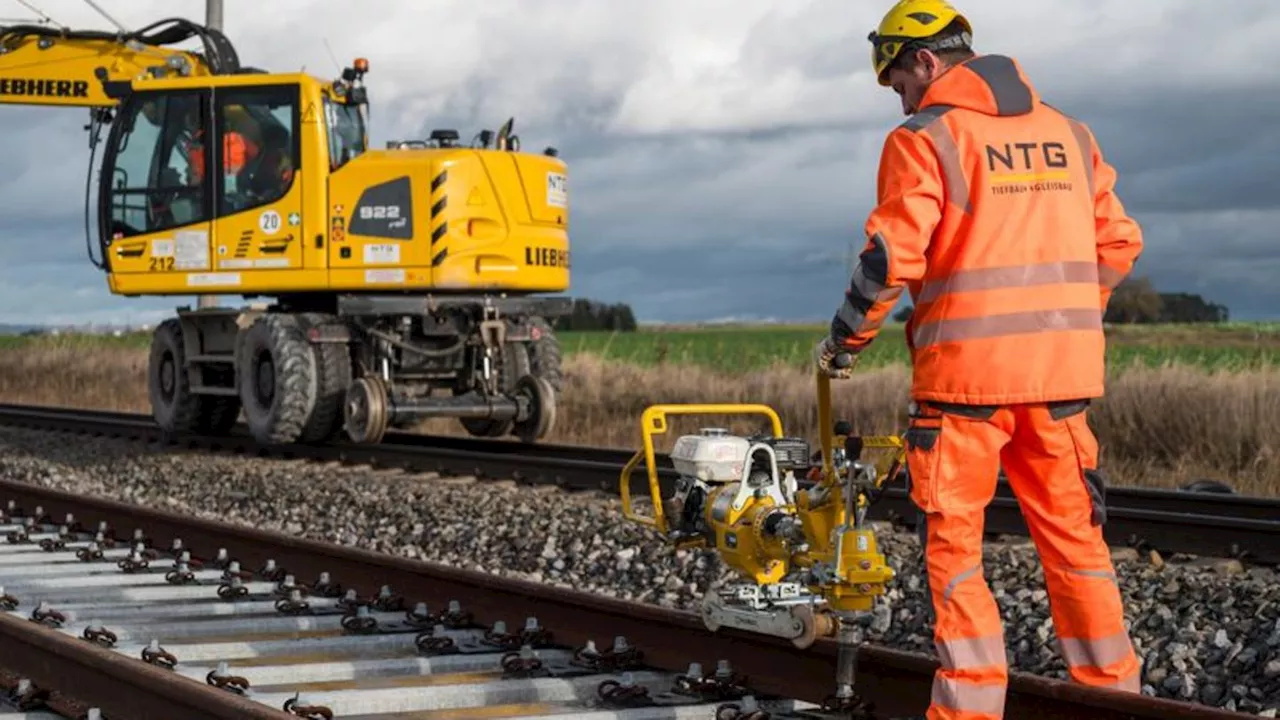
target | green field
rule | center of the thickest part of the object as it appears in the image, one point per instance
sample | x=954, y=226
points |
x=1229, y=346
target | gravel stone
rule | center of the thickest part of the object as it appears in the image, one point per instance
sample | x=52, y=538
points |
x=1206, y=632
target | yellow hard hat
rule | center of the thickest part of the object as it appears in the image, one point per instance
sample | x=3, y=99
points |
x=906, y=22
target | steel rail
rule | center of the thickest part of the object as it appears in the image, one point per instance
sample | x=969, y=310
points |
x=895, y=683
x=1198, y=523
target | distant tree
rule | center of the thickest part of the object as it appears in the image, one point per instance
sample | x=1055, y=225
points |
x=1134, y=301
x=593, y=315
x=903, y=314
x=1190, y=308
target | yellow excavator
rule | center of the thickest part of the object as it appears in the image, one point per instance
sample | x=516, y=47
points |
x=789, y=522
x=403, y=283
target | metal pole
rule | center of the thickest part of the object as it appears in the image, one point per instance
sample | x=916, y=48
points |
x=213, y=14
x=212, y=19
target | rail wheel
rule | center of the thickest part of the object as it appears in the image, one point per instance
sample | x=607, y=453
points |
x=173, y=406
x=541, y=397
x=365, y=410
x=276, y=368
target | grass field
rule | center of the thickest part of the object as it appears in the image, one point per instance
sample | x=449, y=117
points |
x=1230, y=346
x=1183, y=402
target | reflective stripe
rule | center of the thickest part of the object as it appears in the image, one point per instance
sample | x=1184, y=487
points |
x=856, y=318
x=993, y=278
x=969, y=697
x=851, y=316
x=1095, y=652
x=1012, y=96
x=866, y=289
x=951, y=586
x=1109, y=277
x=925, y=117
x=1086, y=150
x=976, y=652
x=1104, y=574
x=957, y=187
x=993, y=326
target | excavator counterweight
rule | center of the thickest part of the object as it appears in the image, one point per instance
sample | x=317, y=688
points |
x=400, y=284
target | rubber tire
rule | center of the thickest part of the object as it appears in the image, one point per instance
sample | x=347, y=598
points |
x=513, y=364
x=185, y=413
x=545, y=355
x=296, y=380
x=333, y=372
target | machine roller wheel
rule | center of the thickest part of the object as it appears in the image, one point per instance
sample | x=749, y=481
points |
x=365, y=412
x=810, y=625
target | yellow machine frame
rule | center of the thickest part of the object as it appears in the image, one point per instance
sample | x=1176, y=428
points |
x=819, y=534
x=823, y=510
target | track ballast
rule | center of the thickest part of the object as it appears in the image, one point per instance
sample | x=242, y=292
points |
x=1169, y=521
x=180, y=617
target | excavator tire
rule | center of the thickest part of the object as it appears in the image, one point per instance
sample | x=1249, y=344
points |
x=173, y=406
x=333, y=375
x=278, y=378
x=544, y=353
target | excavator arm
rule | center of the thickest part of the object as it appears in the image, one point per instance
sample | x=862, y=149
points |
x=42, y=65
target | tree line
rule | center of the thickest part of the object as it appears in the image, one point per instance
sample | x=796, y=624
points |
x=1136, y=301
x=594, y=315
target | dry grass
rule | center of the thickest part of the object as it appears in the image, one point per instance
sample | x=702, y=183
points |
x=1158, y=427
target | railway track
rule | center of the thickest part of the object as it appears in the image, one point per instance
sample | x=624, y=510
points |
x=1198, y=523
x=165, y=616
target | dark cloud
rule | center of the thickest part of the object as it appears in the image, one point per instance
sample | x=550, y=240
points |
x=723, y=156
x=1203, y=149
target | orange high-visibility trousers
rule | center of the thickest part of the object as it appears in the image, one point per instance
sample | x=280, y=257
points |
x=1049, y=454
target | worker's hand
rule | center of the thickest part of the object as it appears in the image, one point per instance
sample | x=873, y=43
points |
x=833, y=359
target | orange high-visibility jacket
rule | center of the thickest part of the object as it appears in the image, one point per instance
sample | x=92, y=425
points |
x=999, y=215
x=236, y=153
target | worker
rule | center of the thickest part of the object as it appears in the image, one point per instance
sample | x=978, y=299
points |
x=1000, y=216
x=271, y=176
x=237, y=149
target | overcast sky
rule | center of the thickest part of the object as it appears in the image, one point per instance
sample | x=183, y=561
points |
x=736, y=135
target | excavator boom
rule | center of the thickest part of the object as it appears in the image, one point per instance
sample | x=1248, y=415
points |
x=60, y=67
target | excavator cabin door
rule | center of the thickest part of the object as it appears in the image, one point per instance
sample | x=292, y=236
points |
x=197, y=220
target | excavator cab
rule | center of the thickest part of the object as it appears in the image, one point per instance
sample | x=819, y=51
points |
x=203, y=174
x=403, y=282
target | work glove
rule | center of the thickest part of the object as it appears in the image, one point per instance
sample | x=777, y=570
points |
x=825, y=358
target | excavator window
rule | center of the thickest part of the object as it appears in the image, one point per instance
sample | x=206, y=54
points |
x=259, y=131
x=346, y=132
x=154, y=185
